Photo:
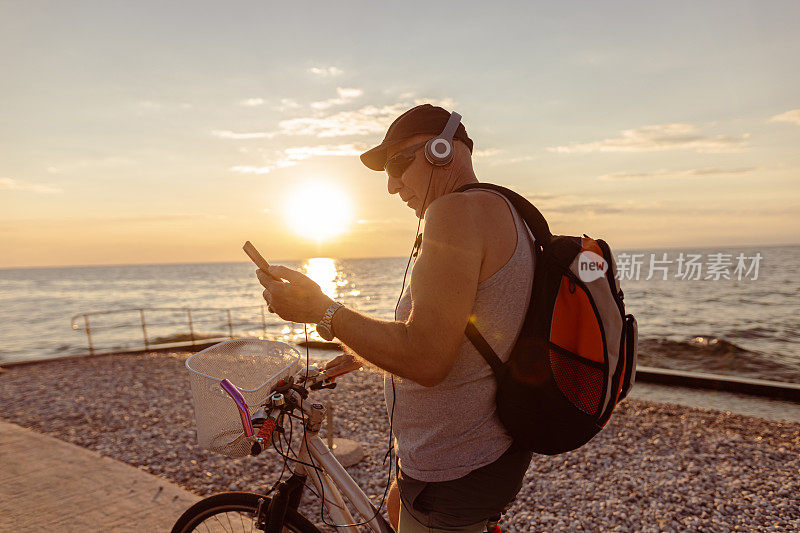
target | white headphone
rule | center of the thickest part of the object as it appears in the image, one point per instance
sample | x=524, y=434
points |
x=439, y=150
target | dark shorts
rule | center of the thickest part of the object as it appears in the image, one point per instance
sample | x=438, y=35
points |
x=481, y=495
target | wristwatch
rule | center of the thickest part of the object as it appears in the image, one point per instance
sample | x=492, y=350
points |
x=325, y=328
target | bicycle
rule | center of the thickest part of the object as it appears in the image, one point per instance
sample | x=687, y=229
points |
x=314, y=462
x=286, y=401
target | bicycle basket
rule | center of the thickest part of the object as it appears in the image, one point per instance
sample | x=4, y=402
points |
x=254, y=366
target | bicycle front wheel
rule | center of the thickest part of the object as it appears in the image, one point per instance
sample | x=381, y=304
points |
x=233, y=512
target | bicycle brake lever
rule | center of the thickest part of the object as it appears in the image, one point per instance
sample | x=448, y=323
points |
x=285, y=384
x=299, y=389
x=325, y=384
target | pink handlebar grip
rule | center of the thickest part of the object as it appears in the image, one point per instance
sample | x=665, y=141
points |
x=241, y=405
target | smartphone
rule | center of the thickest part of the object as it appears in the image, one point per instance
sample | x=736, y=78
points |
x=256, y=257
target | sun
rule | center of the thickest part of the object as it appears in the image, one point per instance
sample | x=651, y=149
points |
x=318, y=212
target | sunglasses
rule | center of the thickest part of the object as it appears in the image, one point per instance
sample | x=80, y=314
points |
x=397, y=164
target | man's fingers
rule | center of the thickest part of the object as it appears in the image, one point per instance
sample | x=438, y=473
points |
x=342, y=365
x=336, y=361
x=266, y=279
x=292, y=276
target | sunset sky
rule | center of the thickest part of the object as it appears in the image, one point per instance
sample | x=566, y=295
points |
x=162, y=132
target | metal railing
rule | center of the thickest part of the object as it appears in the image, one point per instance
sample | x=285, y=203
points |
x=83, y=322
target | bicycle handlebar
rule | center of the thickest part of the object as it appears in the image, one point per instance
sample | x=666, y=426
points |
x=241, y=406
x=299, y=385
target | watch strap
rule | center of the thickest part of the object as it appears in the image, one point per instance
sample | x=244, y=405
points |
x=327, y=317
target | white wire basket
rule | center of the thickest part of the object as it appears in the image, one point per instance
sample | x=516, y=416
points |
x=254, y=366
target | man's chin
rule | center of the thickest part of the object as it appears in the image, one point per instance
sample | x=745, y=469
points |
x=417, y=209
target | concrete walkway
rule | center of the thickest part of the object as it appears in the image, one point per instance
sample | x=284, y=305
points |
x=47, y=484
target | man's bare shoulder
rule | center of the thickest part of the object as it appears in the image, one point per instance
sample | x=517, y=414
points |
x=454, y=214
x=468, y=204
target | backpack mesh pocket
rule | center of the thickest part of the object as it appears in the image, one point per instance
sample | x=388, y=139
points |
x=581, y=383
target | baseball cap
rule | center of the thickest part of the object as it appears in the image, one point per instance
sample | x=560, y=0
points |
x=424, y=118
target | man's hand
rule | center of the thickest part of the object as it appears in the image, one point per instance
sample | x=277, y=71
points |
x=342, y=364
x=298, y=299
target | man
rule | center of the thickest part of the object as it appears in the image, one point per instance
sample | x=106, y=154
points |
x=458, y=467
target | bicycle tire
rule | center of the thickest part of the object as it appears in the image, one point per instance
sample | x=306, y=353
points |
x=238, y=508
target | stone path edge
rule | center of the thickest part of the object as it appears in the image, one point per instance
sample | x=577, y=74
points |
x=46, y=482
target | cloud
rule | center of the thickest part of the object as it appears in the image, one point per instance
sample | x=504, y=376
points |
x=594, y=208
x=542, y=196
x=364, y=121
x=286, y=105
x=792, y=116
x=227, y=134
x=367, y=120
x=291, y=156
x=493, y=160
x=447, y=103
x=513, y=160
x=325, y=72
x=662, y=173
x=411, y=99
x=566, y=204
x=252, y=102
x=345, y=95
x=520, y=159
x=9, y=184
x=489, y=152
x=299, y=153
x=659, y=138
x=348, y=93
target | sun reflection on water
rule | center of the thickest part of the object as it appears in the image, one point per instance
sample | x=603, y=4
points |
x=323, y=270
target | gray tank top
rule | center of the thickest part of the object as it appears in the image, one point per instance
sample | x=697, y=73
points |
x=446, y=431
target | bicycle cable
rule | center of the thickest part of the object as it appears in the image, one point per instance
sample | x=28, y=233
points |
x=414, y=248
x=417, y=246
x=317, y=469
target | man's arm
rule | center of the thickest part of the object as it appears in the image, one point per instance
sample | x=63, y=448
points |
x=443, y=286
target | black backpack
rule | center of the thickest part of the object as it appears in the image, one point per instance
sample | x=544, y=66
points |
x=575, y=357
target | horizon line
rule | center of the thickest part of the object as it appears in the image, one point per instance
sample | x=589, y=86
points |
x=32, y=267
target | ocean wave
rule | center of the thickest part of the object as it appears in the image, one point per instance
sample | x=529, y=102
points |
x=184, y=337
x=708, y=353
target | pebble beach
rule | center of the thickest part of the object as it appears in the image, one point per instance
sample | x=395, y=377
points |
x=655, y=467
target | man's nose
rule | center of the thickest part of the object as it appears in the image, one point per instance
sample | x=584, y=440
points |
x=394, y=185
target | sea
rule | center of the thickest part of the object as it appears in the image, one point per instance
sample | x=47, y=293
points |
x=722, y=310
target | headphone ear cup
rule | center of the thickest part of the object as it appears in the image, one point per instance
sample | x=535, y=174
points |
x=439, y=151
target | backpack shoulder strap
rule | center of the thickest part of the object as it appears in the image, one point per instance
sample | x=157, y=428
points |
x=484, y=349
x=541, y=233
x=533, y=218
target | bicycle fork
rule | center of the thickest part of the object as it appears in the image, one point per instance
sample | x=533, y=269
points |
x=288, y=496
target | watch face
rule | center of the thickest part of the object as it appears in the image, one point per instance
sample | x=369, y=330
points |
x=324, y=332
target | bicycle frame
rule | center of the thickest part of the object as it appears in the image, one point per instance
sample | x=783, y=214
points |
x=329, y=479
